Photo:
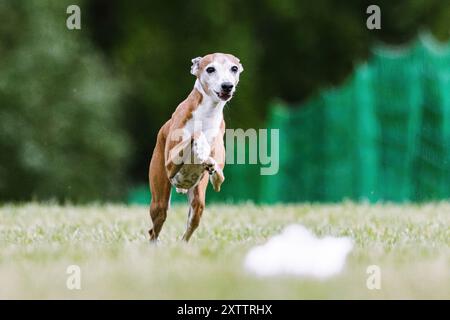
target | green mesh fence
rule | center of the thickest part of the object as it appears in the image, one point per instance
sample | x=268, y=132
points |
x=433, y=158
x=329, y=144
x=383, y=135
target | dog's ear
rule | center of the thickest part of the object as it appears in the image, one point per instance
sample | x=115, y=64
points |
x=195, y=65
x=241, y=67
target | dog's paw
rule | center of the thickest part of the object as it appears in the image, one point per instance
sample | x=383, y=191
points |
x=210, y=165
x=216, y=179
x=154, y=242
x=200, y=149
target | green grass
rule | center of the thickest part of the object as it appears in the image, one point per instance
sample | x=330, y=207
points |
x=410, y=243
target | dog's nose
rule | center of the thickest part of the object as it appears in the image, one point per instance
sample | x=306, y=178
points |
x=227, y=86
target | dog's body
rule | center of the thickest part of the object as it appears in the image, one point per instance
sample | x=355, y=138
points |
x=190, y=146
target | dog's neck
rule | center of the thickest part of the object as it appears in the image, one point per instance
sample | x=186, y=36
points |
x=207, y=115
x=207, y=102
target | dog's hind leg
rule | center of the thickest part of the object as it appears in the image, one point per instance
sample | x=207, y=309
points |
x=197, y=196
x=158, y=213
x=160, y=188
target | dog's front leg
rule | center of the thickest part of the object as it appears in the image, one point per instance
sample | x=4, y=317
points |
x=201, y=150
x=202, y=155
x=216, y=176
x=216, y=162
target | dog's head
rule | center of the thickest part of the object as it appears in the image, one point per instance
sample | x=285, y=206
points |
x=218, y=74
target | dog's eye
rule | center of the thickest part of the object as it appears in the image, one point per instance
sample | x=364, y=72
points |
x=210, y=69
x=234, y=69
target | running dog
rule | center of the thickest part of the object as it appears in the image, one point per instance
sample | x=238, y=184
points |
x=190, y=148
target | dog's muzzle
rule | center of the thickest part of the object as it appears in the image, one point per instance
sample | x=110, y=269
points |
x=226, y=92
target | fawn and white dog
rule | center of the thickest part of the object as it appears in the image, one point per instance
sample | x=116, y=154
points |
x=190, y=147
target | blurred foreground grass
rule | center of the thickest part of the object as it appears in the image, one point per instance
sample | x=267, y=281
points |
x=410, y=243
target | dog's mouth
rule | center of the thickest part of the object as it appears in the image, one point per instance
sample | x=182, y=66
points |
x=223, y=95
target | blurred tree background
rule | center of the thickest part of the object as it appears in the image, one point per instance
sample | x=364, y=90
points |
x=79, y=110
x=61, y=133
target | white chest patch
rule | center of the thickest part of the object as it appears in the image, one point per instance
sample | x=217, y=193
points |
x=207, y=119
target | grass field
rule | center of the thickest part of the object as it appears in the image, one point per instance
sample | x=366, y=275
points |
x=410, y=243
